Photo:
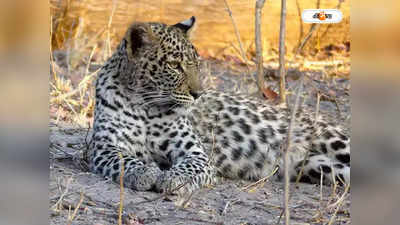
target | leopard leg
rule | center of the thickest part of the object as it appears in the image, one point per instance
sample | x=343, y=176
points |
x=138, y=174
x=189, y=164
x=189, y=172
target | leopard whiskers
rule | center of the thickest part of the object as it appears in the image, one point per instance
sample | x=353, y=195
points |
x=150, y=94
x=156, y=101
x=173, y=106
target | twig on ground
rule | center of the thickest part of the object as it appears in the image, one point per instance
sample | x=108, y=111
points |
x=337, y=205
x=280, y=216
x=55, y=206
x=71, y=218
x=341, y=199
x=227, y=205
x=185, y=219
x=260, y=180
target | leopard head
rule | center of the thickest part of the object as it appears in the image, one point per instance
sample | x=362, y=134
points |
x=166, y=61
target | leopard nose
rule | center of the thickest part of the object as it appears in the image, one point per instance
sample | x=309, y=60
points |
x=195, y=94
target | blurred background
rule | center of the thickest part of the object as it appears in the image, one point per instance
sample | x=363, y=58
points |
x=63, y=36
x=85, y=33
x=215, y=36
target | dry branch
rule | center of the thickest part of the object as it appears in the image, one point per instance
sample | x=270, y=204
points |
x=313, y=28
x=286, y=150
x=282, y=72
x=259, y=47
x=312, y=138
x=238, y=38
x=300, y=21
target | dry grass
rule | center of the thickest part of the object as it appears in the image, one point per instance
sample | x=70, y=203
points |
x=74, y=66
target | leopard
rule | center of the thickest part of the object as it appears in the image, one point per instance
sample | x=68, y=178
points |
x=157, y=129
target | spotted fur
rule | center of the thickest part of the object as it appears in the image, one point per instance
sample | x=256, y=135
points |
x=151, y=110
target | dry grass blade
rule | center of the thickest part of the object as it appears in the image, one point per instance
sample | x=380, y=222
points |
x=312, y=138
x=72, y=217
x=321, y=182
x=286, y=150
x=340, y=200
x=121, y=191
x=260, y=180
x=90, y=58
x=56, y=205
x=337, y=204
x=108, y=42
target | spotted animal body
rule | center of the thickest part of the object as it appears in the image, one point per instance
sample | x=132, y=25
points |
x=151, y=110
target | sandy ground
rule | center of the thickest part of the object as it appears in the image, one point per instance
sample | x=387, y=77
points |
x=86, y=198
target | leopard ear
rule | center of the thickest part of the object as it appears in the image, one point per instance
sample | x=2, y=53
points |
x=187, y=25
x=138, y=36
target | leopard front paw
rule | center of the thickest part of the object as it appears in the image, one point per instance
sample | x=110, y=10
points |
x=172, y=183
x=143, y=178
